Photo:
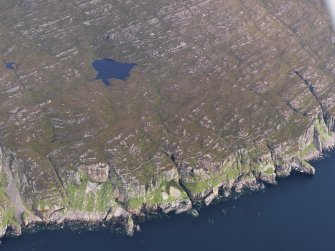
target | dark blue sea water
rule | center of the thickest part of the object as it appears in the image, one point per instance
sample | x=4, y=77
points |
x=297, y=214
x=108, y=69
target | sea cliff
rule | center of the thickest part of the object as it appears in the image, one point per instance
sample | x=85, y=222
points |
x=222, y=96
x=95, y=199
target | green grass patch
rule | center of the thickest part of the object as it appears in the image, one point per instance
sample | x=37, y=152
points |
x=105, y=198
x=156, y=198
x=76, y=195
x=309, y=149
x=99, y=200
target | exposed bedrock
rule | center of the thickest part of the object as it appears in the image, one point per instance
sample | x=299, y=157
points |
x=226, y=95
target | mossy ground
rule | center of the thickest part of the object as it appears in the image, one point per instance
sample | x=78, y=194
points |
x=308, y=150
x=321, y=127
x=97, y=200
x=324, y=136
x=177, y=99
x=155, y=198
x=7, y=216
x=228, y=175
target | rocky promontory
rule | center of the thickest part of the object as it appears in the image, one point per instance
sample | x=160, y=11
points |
x=224, y=95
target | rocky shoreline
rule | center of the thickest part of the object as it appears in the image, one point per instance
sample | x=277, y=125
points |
x=225, y=96
x=125, y=214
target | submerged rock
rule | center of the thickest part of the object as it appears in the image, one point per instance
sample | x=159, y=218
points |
x=194, y=212
x=130, y=226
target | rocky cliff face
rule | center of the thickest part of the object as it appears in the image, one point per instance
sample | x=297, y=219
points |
x=225, y=95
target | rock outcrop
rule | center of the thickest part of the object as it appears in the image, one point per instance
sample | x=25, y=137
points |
x=224, y=96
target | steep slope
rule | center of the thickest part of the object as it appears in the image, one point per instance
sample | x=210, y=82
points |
x=225, y=95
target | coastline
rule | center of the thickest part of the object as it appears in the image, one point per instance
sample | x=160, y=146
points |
x=125, y=214
x=225, y=97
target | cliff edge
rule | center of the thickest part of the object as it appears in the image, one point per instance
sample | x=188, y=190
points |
x=224, y=96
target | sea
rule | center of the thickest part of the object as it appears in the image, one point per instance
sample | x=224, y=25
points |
x=296, y=214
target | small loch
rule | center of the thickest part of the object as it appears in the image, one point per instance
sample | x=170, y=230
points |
x=108, y=69
x=10, y=65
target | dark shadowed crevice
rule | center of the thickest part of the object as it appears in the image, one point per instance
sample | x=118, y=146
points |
x=174, y=161
x=310, y=87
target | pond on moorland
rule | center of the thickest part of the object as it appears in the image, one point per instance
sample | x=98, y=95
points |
x=108, y=69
